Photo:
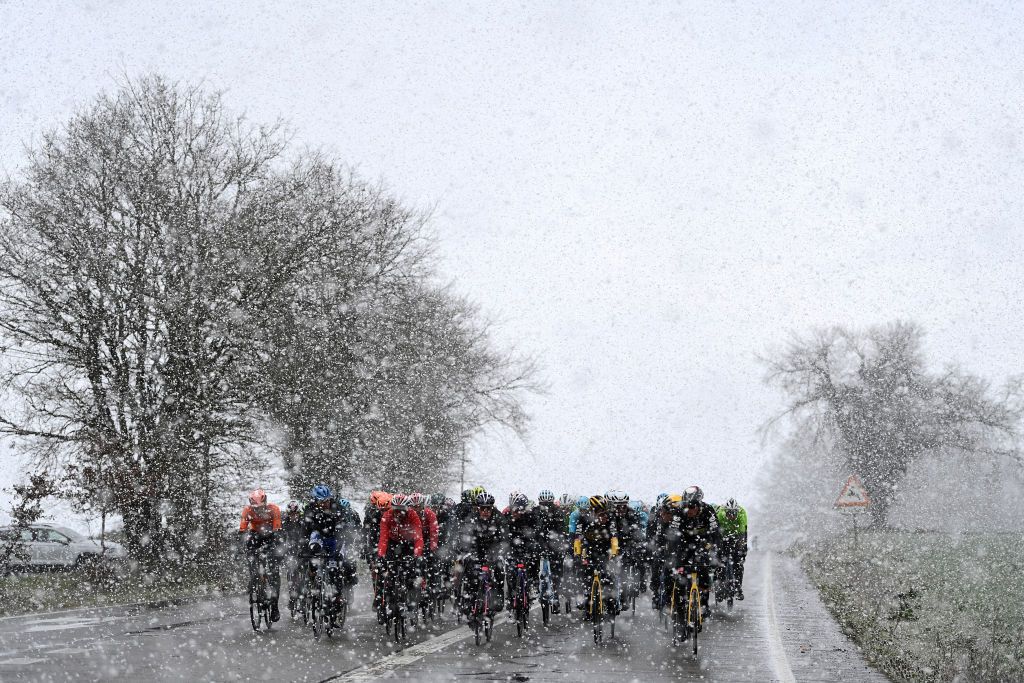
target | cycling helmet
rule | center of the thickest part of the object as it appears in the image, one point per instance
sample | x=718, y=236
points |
x=476, y=491
x=436, y=501
x=583, y=502
x=518, y=502
x=732, y=508
x=483, y=499
x=616, y=497
x=513, y=496
x=565, y=500
x=546, y=496
x=660, y=500
x=344, y=503
x=292, y=507
x=598, y=503
x=258, y=498
x=693, y=495
x=321, y=492
x=673, y=501
x=637, y=505
x=380, y=499
x=399, y=502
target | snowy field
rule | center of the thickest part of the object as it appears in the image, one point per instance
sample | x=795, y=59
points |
x=928, y=606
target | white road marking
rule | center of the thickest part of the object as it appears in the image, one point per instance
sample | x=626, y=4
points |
x=20, y=661
x=374, y=670
x=776, y=652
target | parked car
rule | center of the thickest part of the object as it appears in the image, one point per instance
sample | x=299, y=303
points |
x=50, y=546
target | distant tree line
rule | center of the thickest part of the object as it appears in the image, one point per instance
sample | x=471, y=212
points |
x=869, y=400
x=177, y=284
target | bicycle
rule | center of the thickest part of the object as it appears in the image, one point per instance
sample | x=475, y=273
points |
x=295, y=584
x=327, y=609
x=725, y=583
x=395, y=596
x=546, y=592
x=259, y=588
x=599, y=608
x=520, y=598
x=481, y=617
x=630, y=586
x=439, y=589
x=693, y=623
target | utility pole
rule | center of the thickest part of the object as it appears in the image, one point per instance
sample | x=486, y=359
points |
x=462, y=469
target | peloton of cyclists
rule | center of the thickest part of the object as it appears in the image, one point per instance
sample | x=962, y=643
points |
x=454, y=540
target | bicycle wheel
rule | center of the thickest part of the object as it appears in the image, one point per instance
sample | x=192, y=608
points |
x=693, y=635
x=693, y=614
x=254, y=609
x=320, y=608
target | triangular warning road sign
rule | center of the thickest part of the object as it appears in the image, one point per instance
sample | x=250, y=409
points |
x=853, y=495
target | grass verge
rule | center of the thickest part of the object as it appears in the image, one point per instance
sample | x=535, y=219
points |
x=928, y=607
x=25, y=593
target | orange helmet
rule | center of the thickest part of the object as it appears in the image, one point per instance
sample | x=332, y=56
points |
x=380, y=499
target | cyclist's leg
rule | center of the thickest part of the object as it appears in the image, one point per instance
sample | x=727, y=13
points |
x=498, y=574
x=250, y=560
x=704, y=584
x=738, y=559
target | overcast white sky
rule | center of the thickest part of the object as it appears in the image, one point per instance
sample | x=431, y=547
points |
x=644, y=195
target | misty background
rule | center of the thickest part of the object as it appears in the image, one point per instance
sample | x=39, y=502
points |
x=646, y=201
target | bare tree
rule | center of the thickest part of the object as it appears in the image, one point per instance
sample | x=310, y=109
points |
x=169, y=280
x=873, y=394
x=139, y=254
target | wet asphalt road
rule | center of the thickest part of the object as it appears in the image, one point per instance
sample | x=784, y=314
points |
x=781, y=632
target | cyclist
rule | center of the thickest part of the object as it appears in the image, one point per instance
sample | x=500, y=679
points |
x=322, y=522
x=689, y=538
x=443, y=557
x=595, y=541
x=732, y=523
x=431, y=532
x=551, y=539
x=521, y=526
x=293, y=531
x=262, y=522
x=484, y=542
x=375, y=509
x=400, y=547
x=660, y=517
x=632, y=534
x=350, y=533
x=582, y=505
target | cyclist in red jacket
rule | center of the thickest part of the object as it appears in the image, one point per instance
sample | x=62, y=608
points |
x=400, y=548
x=428, y=518
x=401, y=531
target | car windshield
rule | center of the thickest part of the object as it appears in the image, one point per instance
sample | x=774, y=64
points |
x=70, y=533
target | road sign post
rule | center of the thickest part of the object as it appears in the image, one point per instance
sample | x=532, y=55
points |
x=854, y=498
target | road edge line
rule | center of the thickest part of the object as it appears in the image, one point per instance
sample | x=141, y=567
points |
x=776, y=651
